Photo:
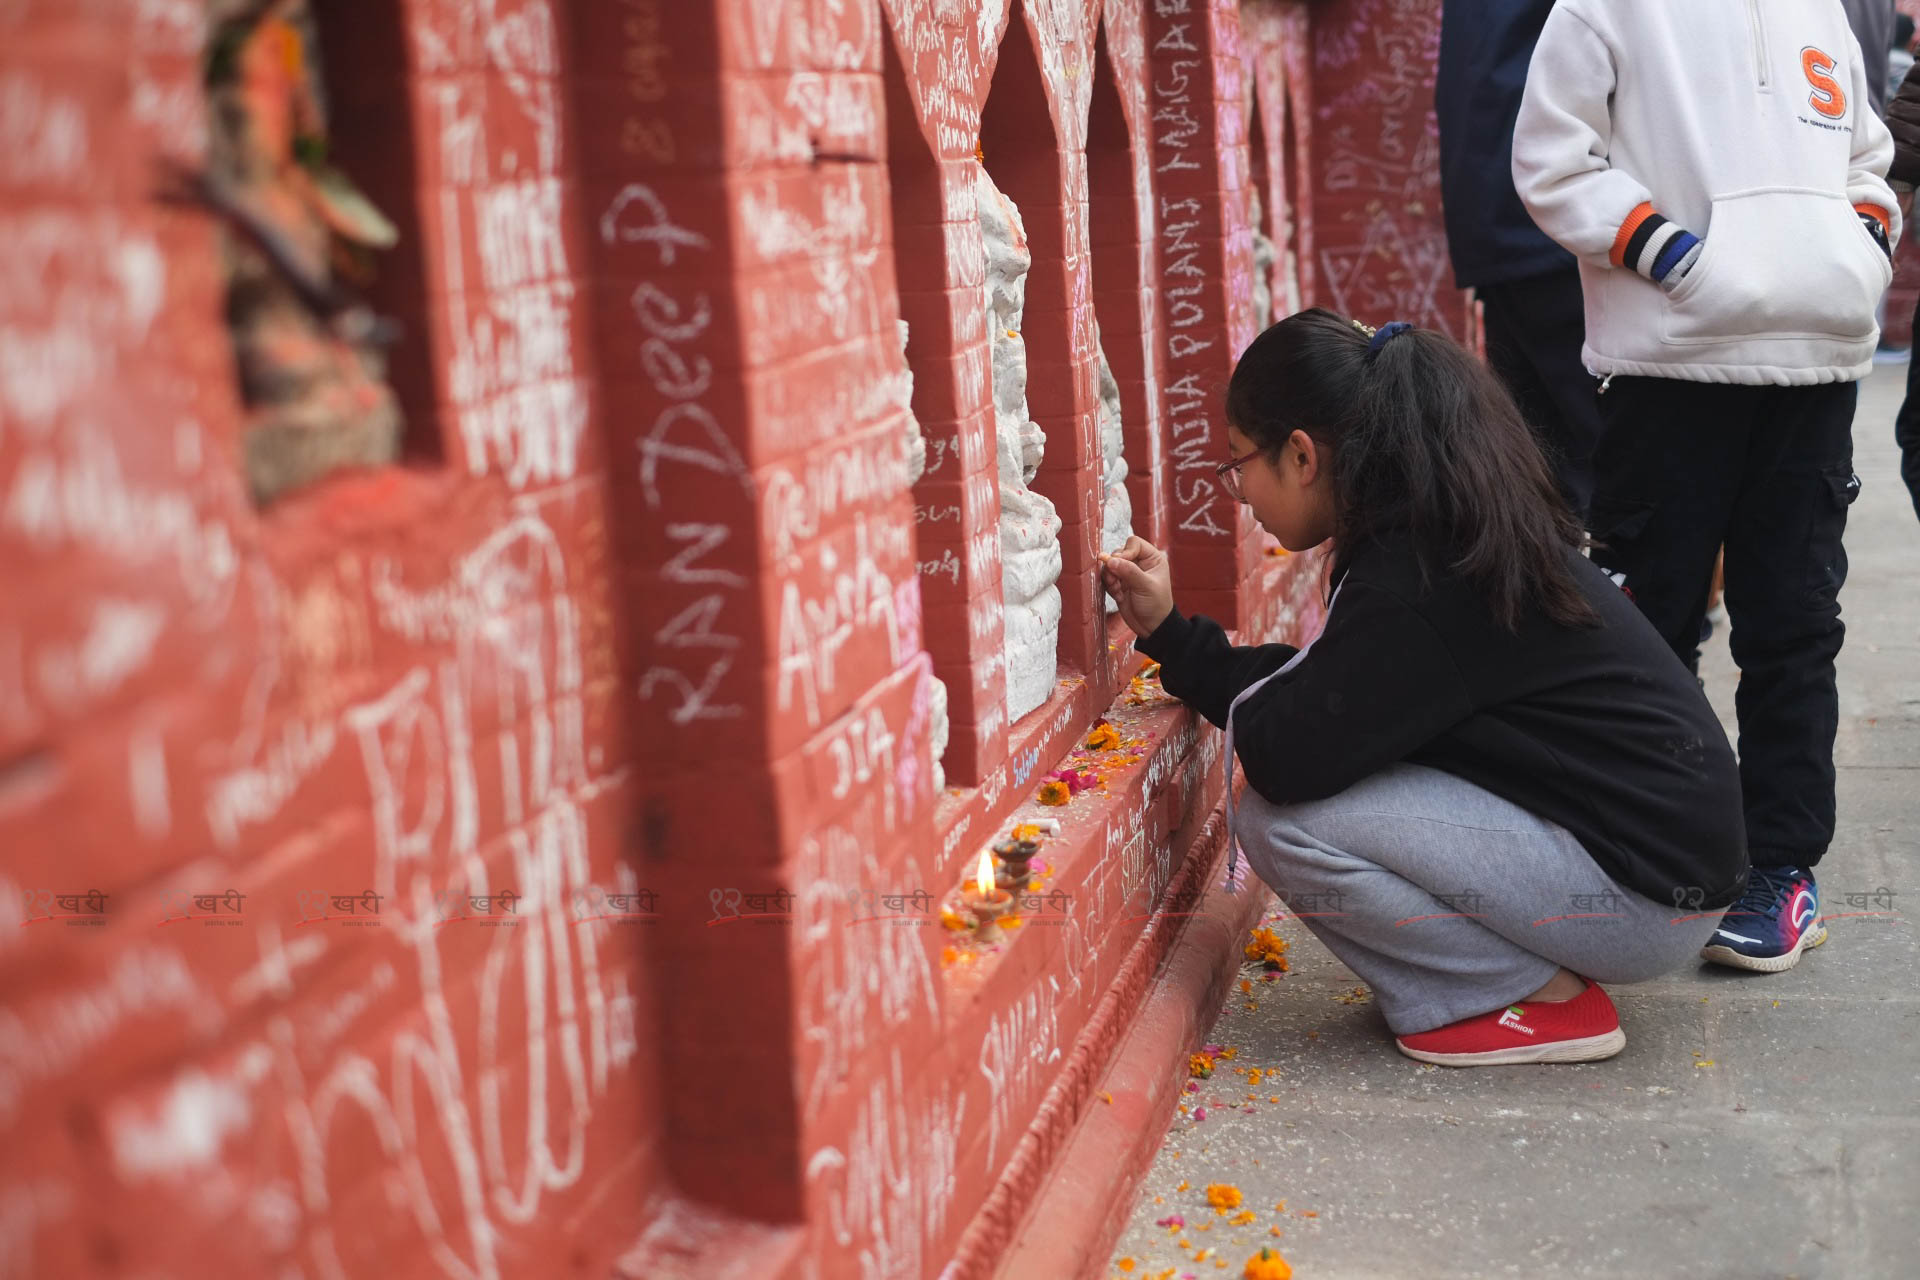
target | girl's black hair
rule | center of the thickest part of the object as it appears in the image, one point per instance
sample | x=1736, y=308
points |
x=1420, y=437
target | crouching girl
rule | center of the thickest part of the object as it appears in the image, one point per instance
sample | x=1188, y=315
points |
x=1488, y=758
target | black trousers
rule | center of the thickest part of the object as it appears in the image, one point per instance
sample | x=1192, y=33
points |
x=1906, y=425
x=1534, y=331
x=1685, y=467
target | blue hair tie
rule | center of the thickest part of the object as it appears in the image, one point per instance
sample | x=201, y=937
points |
x=1386, y=333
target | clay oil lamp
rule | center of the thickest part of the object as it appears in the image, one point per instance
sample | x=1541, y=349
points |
x=986, y=900
x=1017, y=858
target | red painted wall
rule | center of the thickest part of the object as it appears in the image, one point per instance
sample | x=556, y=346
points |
x=1379, y=244
x=646, y=640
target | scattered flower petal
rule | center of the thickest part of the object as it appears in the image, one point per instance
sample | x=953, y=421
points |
x=1223, y=1195
x=1269, y=948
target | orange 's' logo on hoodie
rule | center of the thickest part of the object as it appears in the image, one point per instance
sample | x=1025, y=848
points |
x=1827, y=97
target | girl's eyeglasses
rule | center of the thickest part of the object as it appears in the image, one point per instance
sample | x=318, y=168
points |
x=1229, y=473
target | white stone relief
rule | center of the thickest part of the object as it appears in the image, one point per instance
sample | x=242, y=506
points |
x=1029, y=526
x=939, y=728
x=1116, y=505
x=1264, y=254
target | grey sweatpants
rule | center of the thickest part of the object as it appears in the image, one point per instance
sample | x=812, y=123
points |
x=1452, y=902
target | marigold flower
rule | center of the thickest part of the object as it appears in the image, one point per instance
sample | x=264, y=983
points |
x=1027, y=831
x=1199, y=1065
x=1269, y=948
x=1054, y=792
x=1223, y=1195
x=1267, y=1265
x=1103, y=737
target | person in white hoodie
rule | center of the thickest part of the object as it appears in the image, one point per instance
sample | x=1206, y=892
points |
x=1718, y=170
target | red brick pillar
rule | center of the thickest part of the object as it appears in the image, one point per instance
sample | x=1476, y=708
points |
x=1206, y=264
x=1381, y=243
x=747, y=328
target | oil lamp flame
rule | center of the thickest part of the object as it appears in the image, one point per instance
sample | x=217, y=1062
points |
x=983, y=874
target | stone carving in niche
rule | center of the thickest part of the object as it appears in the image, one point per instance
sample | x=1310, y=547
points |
x=939, y=727
x=309, y=352
x=1264, y=253
x=1029, y=526
x=1116, y=505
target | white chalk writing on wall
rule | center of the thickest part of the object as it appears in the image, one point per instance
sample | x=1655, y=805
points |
x=1382, y=252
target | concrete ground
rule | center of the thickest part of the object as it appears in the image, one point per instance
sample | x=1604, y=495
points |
x=1755, y=1126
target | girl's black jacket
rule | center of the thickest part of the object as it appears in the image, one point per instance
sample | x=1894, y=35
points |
x=1601, y=730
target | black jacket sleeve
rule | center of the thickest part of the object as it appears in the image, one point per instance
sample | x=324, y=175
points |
x=1377, y=686
x=1199, y=666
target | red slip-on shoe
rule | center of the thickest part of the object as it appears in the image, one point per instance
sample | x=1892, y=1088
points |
x=1583, y=1029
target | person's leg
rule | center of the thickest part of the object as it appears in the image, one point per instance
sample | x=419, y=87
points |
x=1451, y=902
x=1785, y=565
x=1906, y=423
x=1535, y=328
x=1665, y=479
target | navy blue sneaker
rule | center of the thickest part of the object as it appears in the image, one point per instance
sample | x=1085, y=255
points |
x=1775, y=920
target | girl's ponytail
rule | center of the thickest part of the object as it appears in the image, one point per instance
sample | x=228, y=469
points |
x=1422, y=438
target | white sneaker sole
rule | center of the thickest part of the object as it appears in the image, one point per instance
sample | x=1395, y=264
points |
x=1588, y=1049
x=1766, y=964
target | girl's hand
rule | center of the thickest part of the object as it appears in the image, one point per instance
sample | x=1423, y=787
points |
x=1140, y=580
